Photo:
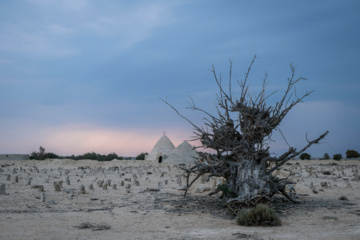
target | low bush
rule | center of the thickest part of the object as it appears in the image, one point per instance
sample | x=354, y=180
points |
x=227, y=191
x=337, y=156
x=326, y=156
x=261, y=215
x=51, y=155
x=304, y=156
x=42, y=154
x=141, y=156
x=96, y=156
x=352, y=154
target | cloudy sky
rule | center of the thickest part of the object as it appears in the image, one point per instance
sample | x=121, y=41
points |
x=79, y=76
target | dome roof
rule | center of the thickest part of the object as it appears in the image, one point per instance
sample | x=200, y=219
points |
x=163, y=147
x=183, y=154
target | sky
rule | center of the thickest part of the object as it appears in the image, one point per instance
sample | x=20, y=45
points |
x=81, y=76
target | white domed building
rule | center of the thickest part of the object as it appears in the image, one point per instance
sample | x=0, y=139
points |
x=183, y=154
x=165, y=151
x=161, y=150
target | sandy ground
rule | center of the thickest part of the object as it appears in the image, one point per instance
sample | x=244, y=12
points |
x=145, y=212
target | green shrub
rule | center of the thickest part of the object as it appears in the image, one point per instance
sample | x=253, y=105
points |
x=38, y=155
x=227, y=191
x=42, y=154
x=304, y=156
x=326, y=156
x=337, y=156
x=51, y=156
x=352, y=154
x=96, y=156
x=261, y=215
x=109, y=157
x=141, y=156
x=91, y=156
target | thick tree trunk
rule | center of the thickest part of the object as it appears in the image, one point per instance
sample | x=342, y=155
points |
x=249, y=181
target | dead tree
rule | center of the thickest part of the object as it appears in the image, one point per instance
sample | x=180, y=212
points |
x=240, y=134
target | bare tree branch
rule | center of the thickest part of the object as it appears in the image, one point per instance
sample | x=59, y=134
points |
x=242, y=154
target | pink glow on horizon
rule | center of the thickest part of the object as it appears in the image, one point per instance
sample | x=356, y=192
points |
x=24, y=137
x=81, y=139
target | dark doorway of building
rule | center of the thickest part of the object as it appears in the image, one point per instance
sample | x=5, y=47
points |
x=160, y=159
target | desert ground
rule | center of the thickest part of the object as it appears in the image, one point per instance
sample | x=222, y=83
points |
x=144, y=200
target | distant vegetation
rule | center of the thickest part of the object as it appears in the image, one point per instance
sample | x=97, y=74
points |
x=337, y=156
x=42, y=154
x=305, y=156
x=141, y=156
x=352, y=154
x=96, y=156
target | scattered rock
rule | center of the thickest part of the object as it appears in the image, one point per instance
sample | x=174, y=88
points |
x=182, y=188
x=68, y=180
x=330, y=218
x=48, y=179
x=152, y=190
x=71, y=193
x=178, y=181
x=202, y=189
x=56, y=187
x=100, y=183
x=343, y=198
x=82, y=189
x=324, y=184
x=94, y=226
x=42, y=197
x=356, y=178
x=29, y=181
x=2, y=189
x=203, y=178
x=246, y=236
